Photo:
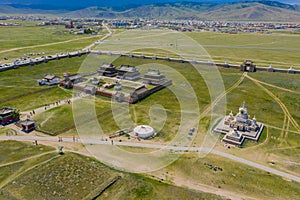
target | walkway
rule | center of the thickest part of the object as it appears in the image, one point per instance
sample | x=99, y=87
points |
x=159, y=146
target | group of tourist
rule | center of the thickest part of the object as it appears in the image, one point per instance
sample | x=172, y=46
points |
x=31, y=113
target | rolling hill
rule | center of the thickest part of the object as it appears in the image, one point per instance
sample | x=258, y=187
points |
x=242, y=11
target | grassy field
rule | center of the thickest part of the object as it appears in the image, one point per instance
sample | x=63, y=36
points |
x=28, y=34
x=275, y=49
x=12, y=151
x=234, y=177
x=74, y=176
x=31, y=39
x=21, y=90
x=59, y=177
x=280, y=50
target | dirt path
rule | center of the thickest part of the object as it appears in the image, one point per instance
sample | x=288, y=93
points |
x=181, y=182
x=54, y=105
x=282, y=105
x=278, y=128
x=288, y=119
x=28, y=158
x=274, y=86
x=210, y=107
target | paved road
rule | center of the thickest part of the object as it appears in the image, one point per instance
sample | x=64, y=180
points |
x=99, y=41
x=158, y=146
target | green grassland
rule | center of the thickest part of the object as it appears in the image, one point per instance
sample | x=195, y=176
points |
x=28, y=34
x=63, y=176
x=20, y=89
x=5, y=130
x=258, y=103
x=29, y=38
x=280, y=50
x=139, y=187
x=12, y=151
x=263, y=49
x=74, y=176
x=279, y=79
x=235, y=177
x=52, y=49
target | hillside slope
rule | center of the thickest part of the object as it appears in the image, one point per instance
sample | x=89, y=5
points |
x=251, y=11
x=242, y=11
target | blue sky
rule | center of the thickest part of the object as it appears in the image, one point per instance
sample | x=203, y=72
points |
x=85, y=3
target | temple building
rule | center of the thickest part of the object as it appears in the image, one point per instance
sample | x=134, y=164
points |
x=239, y=127
x=49, y=79
x=153, y=77
x=108, y=70
x=118, y=86
x=128, y=72
x=8, y=115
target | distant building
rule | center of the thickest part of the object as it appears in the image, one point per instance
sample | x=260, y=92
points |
x=8, y=115
x=248, y=66
x=108, y=70
x=240, y=127
x=70, y=25
x=128, y=72
x=49, y=79
x=153, y=77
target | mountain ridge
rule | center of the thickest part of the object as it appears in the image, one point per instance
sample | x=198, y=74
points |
x=244, y=11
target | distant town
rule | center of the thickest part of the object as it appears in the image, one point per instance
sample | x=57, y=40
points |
x=179, y=25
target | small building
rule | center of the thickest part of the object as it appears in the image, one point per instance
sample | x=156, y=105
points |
x=8, y=115
x=49, y=79
x=27, y=125
x=95, y=81
x=70, y=80
x=154, y=77
x=138, y=94
x=128, y=72
x=119, y=96
x=270, y=69
x=248, y=66
x=88, y=89
x=108, y=70
x=118, y=86
x=143, y=131
x=291, y=70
